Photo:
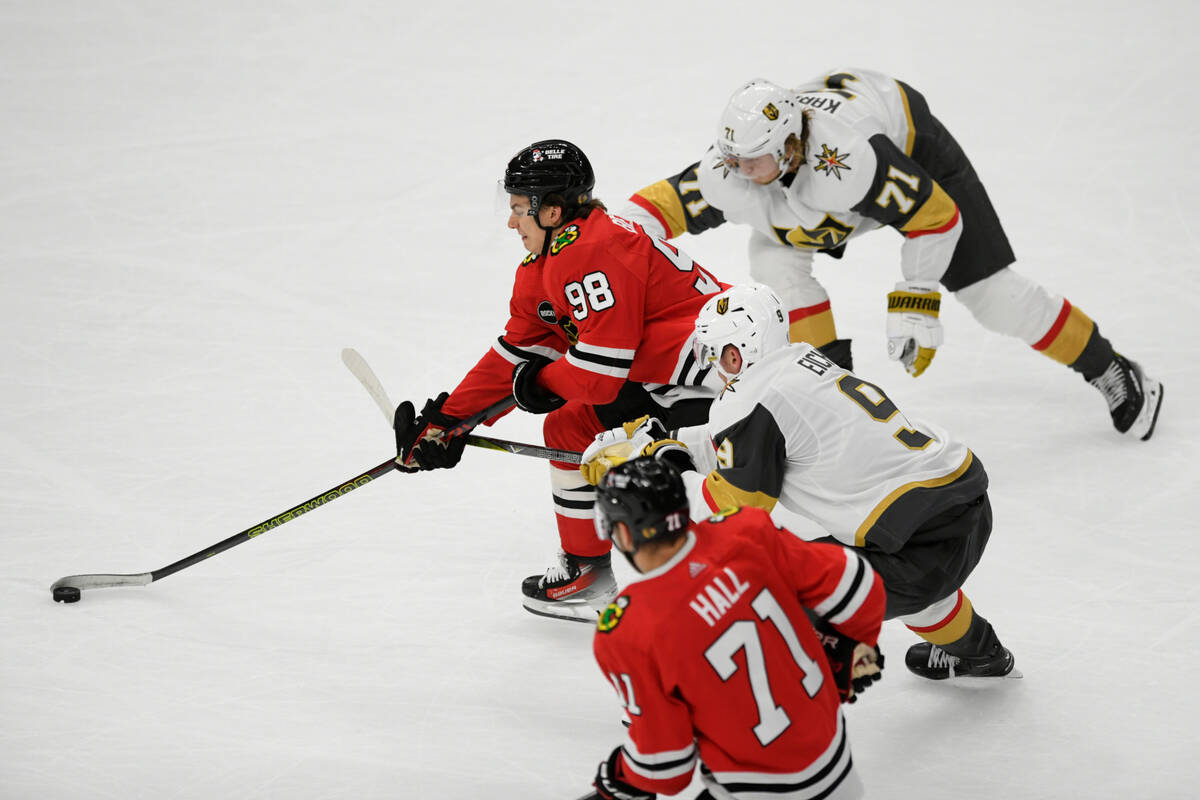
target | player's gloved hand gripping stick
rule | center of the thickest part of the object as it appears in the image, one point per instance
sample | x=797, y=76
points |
x=68, y=589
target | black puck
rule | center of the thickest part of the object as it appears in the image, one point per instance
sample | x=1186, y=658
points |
x=66, y=594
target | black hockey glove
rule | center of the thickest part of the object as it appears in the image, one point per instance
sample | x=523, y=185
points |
x=418, y=445
x=855, y=665
x=530, y=395
x=610, y=787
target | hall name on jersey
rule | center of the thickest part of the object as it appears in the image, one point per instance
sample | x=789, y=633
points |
x=716, y=598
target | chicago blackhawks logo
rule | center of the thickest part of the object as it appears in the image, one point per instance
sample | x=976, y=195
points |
x=610, y=617
x=569, y=234
x=831, y=162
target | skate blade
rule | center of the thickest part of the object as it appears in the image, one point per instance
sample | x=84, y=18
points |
x=975, y=680
x=1155, y=396
x=561, y=609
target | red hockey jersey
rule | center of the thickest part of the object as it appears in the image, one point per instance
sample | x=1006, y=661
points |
x=610, y=303
x=714, y=659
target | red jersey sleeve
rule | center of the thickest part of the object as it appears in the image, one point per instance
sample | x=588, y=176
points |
x=659, y=752
x=530, y=331
x=833, y=581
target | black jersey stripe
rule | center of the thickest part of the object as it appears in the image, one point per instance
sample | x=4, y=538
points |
x=785, y=788
x=852, y=590
x=597, y=358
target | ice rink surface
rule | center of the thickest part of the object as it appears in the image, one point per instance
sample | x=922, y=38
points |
x=201, y=204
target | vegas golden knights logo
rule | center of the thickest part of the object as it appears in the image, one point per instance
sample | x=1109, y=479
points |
x=771, y=112
x=722, y=305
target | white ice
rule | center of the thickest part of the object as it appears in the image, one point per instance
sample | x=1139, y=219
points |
x=202, y=203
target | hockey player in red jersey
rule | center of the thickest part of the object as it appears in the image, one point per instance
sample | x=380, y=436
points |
x=599, y=324
x=713, y=655
x=793, y=428
x=810, y=168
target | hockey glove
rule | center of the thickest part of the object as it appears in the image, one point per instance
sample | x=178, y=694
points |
x=644, y=436
x=913, y=329
x=419, y=442
x=854, y=665
x=610, y=787
x=530, y=395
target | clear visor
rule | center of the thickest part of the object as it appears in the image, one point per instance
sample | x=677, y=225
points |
x=508, y=204
x=705, y=354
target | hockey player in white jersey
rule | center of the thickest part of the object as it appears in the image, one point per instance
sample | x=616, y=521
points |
x=792, y=427
x=855, y=150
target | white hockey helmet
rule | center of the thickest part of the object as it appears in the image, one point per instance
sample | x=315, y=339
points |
x=757, y=121
x=748, y=316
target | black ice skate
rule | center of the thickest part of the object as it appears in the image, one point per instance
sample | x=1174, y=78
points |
x=574, y=588
x=1133, y=398
x=930, y=661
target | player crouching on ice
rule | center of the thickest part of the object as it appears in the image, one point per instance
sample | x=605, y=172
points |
x=600, y=320
x=768, y=722
x=792, y=427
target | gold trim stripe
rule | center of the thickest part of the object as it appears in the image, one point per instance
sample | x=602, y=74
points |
x=1067, y=346
x=950, y=630
x=818, y=329
x=936, y=215
x=860, y=536
x=725, y=495
x=663, y=197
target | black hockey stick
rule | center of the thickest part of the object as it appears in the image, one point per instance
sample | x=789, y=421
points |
x=360, y=369
x=523, y=449
x=68, y=589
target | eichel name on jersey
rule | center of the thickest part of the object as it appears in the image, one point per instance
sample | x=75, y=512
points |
x=615, y=302
x=768, y=721
x=799, y=430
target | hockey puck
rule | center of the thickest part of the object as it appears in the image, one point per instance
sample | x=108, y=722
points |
x=66, y=594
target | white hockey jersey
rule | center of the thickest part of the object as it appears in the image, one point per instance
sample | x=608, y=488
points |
x=828, y=445
x=858, y=174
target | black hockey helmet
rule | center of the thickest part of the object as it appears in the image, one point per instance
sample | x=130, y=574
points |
x=551, y=166
x=646, y=494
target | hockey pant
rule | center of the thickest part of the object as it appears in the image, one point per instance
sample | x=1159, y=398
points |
x=573, y=427
x=923, y=578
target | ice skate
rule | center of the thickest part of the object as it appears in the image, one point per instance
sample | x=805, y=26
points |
x=1133, y=398
x=932, y=662
x=574, y=588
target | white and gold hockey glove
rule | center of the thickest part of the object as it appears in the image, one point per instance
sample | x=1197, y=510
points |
x=914, y=331
x=644, y=436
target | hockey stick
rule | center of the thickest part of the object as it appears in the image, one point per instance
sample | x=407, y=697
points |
x=68, y=589
x=360, y=369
